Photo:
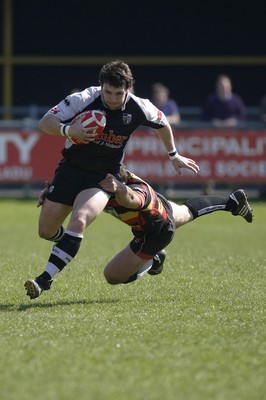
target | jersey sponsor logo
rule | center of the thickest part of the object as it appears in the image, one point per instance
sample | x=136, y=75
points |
x=127, y=118
x=112, y=138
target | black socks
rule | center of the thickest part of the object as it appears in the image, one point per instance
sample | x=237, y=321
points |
x=202, y=205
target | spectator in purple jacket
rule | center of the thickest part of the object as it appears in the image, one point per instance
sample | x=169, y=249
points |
x=224, y=108
x=161, y=99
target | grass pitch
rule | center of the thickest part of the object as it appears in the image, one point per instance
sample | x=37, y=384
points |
x=195, y=332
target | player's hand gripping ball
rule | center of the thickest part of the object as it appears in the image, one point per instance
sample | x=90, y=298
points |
x=90, y=119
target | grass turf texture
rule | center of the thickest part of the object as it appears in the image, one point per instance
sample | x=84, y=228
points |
x=195, y=332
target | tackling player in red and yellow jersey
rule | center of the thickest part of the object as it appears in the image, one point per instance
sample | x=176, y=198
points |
x=153, y=220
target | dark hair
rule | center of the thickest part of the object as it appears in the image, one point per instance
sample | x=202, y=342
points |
x=116, y=73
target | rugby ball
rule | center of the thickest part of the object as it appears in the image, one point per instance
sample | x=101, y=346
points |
x=90, y=119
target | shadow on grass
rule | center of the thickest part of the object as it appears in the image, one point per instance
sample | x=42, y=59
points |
x=24, y=307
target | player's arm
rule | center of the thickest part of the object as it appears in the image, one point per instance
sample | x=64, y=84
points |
x=124, y=195
x=50, y=124
x=53, y=126
x=166, y=135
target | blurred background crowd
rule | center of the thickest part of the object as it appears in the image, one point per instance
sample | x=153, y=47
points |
x=202, y=63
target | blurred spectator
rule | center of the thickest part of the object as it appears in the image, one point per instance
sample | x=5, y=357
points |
x=160, y=98
x=224, y=108
x=263, y=109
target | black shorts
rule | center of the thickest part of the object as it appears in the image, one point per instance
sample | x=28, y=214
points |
x=145, y=244
x=69, y=181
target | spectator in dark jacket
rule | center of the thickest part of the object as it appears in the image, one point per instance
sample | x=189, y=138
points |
x=224, y=108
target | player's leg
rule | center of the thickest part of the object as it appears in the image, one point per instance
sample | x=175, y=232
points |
x=120, y=271
x=87, y=206
x=236, y=203
x=123, y=266
x=181, y=213
x=51, y=219
x=144, y=254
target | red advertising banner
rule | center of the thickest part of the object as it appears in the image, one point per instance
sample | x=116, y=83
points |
x=28, y=156
x=223, y=155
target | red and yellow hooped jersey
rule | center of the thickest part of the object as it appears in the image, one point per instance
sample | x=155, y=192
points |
x=152, y=214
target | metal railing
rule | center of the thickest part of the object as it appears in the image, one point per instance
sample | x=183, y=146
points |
x=27, y=117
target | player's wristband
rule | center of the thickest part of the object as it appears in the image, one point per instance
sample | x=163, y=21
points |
x=64, y=130
x=173, y=154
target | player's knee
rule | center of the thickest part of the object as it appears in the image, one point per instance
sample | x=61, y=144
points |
x=111, y=279
x=48, y=234
x=78, y=223
x=44, y=233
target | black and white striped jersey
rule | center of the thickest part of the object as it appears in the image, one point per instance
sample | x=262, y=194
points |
x=106, y=153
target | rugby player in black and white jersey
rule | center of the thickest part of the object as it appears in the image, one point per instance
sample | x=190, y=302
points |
x=75, y=188
x=153, y=220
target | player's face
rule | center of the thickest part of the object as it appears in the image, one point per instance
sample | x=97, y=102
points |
x=113, y=97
